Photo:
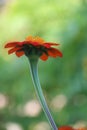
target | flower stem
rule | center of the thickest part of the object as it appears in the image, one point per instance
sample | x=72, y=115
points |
x=34, y=72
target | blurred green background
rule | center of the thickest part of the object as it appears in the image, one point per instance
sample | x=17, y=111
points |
x=63, y=80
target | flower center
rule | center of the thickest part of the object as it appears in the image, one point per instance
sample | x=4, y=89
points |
x=34, y=50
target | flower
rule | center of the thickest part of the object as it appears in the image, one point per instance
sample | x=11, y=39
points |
x=85, y=128
x=70, y=128
x=66, y=128
x=33, y=46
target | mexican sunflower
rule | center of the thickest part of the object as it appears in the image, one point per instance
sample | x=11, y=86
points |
x=70, y=128
x=85, y=128
x=35, y=46
x=66, y=128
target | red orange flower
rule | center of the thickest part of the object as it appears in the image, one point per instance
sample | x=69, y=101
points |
x=36, y=46
x=85, y=128
x=70, y=128
x=66, y=128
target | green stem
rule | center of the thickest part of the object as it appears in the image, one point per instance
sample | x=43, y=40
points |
x=34, y=72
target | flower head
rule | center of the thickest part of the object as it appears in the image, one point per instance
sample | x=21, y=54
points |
x=84, y=128
x=33, y=46
x=66, y=128
x=70, y=128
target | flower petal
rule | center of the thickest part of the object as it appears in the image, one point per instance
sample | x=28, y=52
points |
x=11, y=44
x=39, y=40
x=49, y=44
x=44, y=57
x=54, y=52
x=34, y=40
x=29, y=38
x=13, y=50
x=19, y=53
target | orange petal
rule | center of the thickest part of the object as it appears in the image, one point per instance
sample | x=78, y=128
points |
x=48, y=44
x=54, y=52
x=39, y=40
x=11, y=44
x=29, y=38
x=65, y=128
x=13, y=50
x=19, y=53
x=44, y=57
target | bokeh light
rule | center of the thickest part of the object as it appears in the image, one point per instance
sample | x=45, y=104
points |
x=59, y=102
x=3, y=101
x=42, y=126
x=13, y=126
x=32, y=108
